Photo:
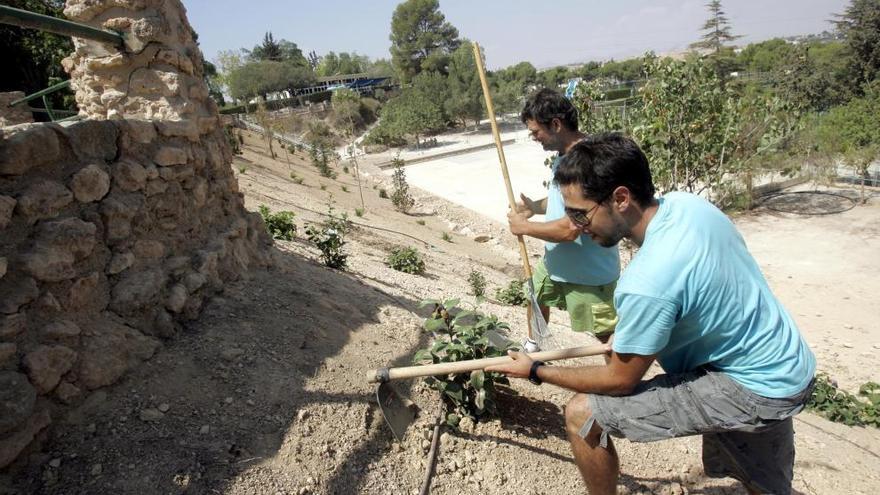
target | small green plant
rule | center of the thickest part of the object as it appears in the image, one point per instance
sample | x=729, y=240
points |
x=477, y=282
x=344, y=188
x=329, y=237
x=383, y=194
x=461, y=335
x=400, y=197
x=446, y=237
x=512, y=295
x=420, y=222
x=375, y=186
x=345, y=169
x=293, y=176
x=242, y=169
x=280, y=224
x=358, y=212
x=406, y=260
x=323, y=187
x=842, y=407
x=298, y=180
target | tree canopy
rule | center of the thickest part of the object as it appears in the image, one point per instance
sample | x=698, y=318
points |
x=421, y=38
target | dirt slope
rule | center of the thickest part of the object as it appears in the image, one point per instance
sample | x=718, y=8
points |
x=265, y=393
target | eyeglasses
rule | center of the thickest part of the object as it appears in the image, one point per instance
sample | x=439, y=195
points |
x=581, y=218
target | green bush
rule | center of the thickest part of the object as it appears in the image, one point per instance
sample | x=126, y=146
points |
x=461, y=335
x=446, y=237
x=513, y=294
x=400, y=197
x=242, y=169
x=406, y=260
x=383, y=194
x=842, y=407
x=420, y=222
x=280, y=225
x=329, y=237
x=477, y=282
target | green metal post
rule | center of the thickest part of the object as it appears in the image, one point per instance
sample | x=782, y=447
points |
x=42, y=92
x=25, y=19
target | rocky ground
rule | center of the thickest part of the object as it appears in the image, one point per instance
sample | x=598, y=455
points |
x=266, y=392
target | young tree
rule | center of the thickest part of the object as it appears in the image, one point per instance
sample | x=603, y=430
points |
x=717, y=34
x=465, y=90
x=860, y=24
x=421, y=38
x=269, y=49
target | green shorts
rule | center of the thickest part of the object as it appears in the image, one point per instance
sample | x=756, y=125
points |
x=591, y=308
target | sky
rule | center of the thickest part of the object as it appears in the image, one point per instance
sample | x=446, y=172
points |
x=545, y=33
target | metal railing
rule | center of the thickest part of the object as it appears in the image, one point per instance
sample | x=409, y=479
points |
x=31, y=20
x=26, y=19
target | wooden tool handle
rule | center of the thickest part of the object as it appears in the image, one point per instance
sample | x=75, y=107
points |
x=478, y=57
x=386, y=374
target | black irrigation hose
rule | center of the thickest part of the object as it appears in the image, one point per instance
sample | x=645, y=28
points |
x=767, y=198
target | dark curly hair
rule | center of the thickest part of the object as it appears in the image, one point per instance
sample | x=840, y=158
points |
x=603, y=162
x=545, y=105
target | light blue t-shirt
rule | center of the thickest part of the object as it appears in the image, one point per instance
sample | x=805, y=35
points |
x=694, y=296
x=581, y=261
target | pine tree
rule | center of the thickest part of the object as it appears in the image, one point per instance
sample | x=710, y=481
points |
x=717, y=34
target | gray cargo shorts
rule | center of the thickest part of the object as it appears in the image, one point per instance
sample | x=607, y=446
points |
x=745, y=436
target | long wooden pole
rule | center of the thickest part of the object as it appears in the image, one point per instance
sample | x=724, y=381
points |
x=523, y=252
x=386, y=374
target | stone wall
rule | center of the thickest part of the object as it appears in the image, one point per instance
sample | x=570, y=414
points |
x=19, y=114
x=116, y=229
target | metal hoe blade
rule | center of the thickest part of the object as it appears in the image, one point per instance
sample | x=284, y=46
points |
x=538, y=325
x=398, y=412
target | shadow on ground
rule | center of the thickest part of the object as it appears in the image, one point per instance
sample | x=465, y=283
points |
x=233, y=383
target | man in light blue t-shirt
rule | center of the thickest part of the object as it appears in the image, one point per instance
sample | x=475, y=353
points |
x=693, y=299
x=576, y=274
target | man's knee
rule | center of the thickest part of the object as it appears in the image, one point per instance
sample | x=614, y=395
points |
x=577, y=413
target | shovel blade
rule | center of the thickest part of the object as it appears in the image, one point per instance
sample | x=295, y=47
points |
x=537, y=322
x=398, y=412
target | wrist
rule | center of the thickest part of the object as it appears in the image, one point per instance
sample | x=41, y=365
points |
x=534, y=370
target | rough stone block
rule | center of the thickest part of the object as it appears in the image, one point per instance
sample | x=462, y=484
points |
x=44, y=199
x=15, y=292
x=27, y=146
x=3, y=266
x=148, y=250
x=17, y=399
x=69, y=234
x=92, y=139
x=60, y=330
x=12, y=445
x=7, y=205
x=87, y=293
x=47, y=364
x=90, y=184
x=171, y=155
x=12, y=325
x=129, y=176
x=177, y=297
x=67, y=392
x=137, y=291
x=109, y=350
x=49, y=264
x=8, y=355
x=179, y=128
x=140, y=131
x=120, y=262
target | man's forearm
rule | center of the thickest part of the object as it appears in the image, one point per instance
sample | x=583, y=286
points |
x=554, y=231
x=585, y=379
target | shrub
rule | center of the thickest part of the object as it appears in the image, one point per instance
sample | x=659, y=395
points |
x=842, y=407
x=477, y=282
x=420, y=222
x=329, y=237
x=298, y=180
x=358, y=212
x=461, y=335
x=513, y=294
x=242, y=169
x=406, y=260
x=400, y=197
x=323, y=187
x=446, y=237
x=280, y=225
x=344, y=188
x=293, y=176
x=383, y=194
